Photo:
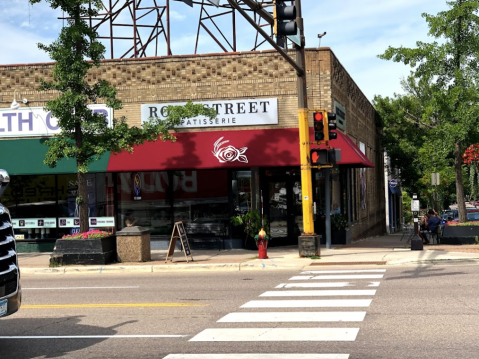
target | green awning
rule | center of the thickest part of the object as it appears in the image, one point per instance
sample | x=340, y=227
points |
x=26, y=156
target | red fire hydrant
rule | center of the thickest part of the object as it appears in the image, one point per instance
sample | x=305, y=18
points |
x=262, y=243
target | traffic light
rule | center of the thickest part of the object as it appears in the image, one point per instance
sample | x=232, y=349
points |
x=318, y=123
x=325, y=156
x=331, y=126
x=284, y=21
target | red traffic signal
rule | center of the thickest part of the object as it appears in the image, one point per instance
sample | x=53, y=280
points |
x=318, y=123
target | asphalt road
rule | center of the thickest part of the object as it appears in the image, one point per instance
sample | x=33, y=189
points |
x=415, y=312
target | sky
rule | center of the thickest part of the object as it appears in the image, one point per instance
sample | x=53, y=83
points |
x=356, y=31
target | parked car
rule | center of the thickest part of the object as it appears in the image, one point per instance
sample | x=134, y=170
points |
x=10, y=289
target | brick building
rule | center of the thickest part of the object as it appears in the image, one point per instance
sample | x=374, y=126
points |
x=216, y=168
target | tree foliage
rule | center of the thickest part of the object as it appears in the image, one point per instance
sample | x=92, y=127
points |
x=85, y=135
x=447, y=72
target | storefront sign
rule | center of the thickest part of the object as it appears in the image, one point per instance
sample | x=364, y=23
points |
x=35, y=121
x=261, y=111
x=19, y=223
x=95, y=222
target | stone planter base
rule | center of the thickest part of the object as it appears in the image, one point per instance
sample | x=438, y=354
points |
x=460, y=234
x=83, y=251
x=309, y=246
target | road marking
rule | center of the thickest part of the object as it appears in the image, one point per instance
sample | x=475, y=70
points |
x=327, y=303
x=316, y=285
x=269, y=317
x=90, y=336
x=316, y=293
x=344, y=271
x=65, y=288
x=373, y=284
x=301, y=277
x=112, y=305
x=276, y=334
x=256, y=356
x=349, y=276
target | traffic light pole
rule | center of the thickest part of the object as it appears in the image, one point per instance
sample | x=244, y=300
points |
x=308, y=242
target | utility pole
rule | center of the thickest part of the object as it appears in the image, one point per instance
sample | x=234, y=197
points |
x=288, y=21
x=308, y=242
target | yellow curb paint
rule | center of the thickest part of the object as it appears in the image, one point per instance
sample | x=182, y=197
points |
x=113, y=305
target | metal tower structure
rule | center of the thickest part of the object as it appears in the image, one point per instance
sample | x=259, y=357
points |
x=140, y=28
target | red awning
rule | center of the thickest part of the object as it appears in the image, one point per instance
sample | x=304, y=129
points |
x=228, y=149
x=351, y=155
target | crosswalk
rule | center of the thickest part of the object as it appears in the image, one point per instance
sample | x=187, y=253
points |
x=337, y=289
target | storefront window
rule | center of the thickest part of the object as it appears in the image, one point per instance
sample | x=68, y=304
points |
x=100, y=197
x=242, y=192
x=200, y=200
x=144, y=197
x=31, y=201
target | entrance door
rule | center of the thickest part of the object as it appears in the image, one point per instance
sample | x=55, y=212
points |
x=285, y=209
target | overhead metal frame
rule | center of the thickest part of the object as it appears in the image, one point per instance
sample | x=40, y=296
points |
x=136, y=15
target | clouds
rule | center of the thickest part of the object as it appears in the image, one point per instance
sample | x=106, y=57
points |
x=356, y=32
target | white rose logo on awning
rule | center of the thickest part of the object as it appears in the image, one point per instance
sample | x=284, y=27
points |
x=229, y=153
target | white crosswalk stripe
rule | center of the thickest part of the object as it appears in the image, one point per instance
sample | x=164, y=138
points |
x=315, y=285
x=288, y=315
x=326, y=303
x=318, y=293
x=257, y=355
x=338, y=276
x=283, y=317
x=276, y=334
x=344, y=271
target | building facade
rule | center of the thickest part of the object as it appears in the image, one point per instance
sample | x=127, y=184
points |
x=216, y=168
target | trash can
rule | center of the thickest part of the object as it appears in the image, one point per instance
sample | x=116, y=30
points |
x=133, y=244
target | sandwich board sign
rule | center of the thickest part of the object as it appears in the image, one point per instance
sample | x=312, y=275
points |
x=179, y=233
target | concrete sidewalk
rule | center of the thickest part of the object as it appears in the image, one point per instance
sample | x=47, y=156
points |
x=381, y=250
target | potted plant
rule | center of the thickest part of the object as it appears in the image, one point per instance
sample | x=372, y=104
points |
x=251, y=223
x=339, y=229
x=92, y=247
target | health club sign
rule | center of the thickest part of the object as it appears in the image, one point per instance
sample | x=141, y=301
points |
x=35, y=121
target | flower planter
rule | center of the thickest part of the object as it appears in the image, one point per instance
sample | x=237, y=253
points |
x=83, y=251
x=340, y=236
x=460, y=234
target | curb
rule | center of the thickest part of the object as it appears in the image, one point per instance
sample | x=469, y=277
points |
x=227, y=267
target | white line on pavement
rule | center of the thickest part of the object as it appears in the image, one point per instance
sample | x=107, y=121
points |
x=373, y=284
x=256, y=356
x=317, y=293
x=270, y=317
x=301, y=277
x=89, y=336
x=65, y=288
x=344, y=271
x=327, y=303
x=276, y=334
x=349, y=276
x=316, y=285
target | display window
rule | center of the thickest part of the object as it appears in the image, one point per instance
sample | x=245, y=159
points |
x=144, y=200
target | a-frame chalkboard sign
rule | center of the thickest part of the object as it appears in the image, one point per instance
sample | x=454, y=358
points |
x=179, y=233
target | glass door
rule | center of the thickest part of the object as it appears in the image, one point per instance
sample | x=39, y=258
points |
x=284, y=209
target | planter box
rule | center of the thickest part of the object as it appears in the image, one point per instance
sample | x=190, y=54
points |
x=460, y=234
x=341, y=236
x=83, y=251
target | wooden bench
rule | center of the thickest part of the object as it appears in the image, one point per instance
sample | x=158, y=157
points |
x=204, y=232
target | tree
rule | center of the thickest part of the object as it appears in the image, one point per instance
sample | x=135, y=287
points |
x=450, y=65
x=85, y=135
x=406, y=129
